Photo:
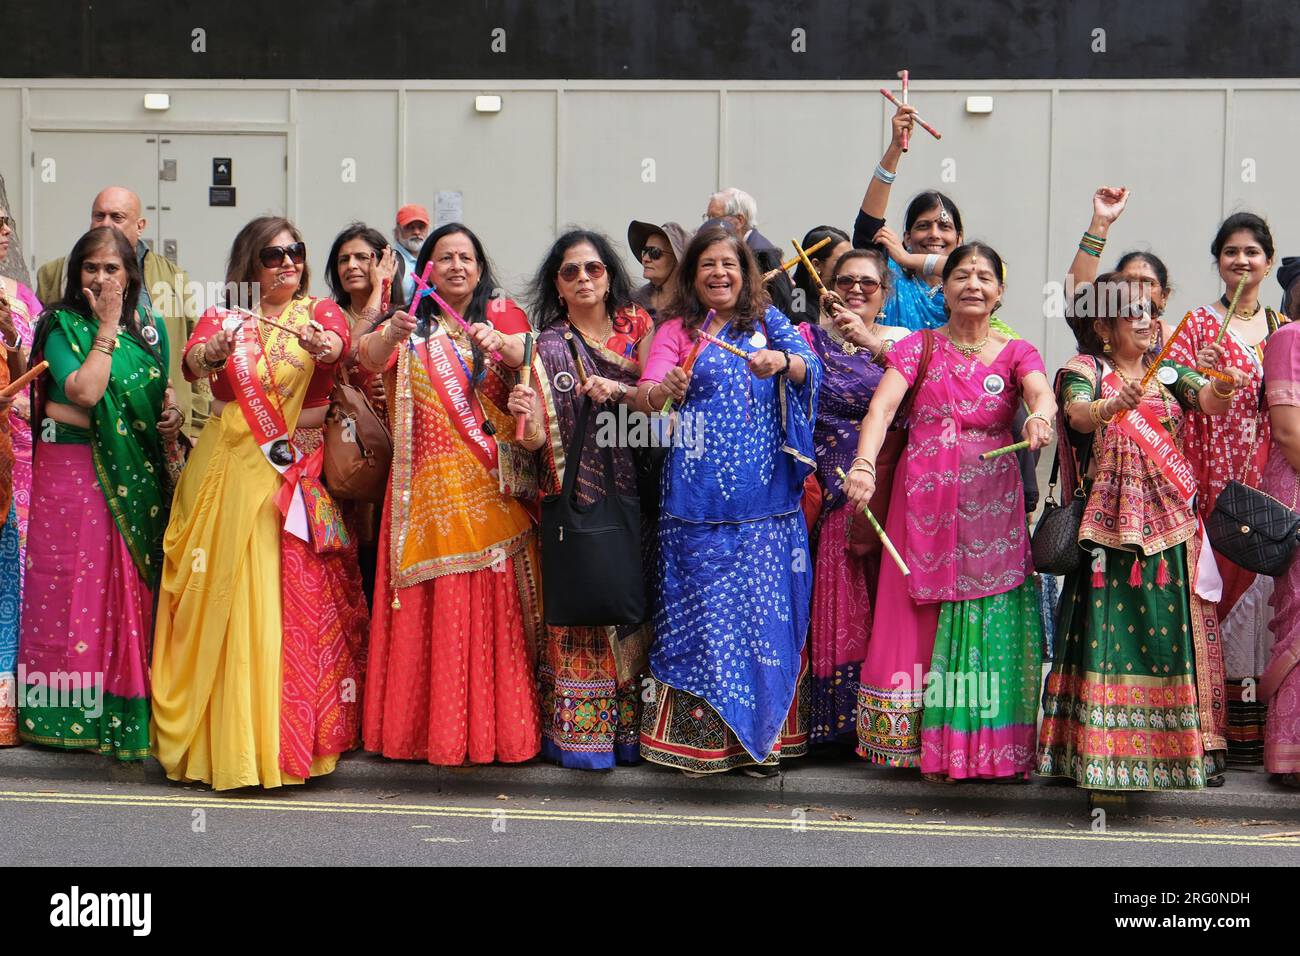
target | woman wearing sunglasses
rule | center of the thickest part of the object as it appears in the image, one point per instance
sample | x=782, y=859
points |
x=19, y=308
x=99, y=506
x=450, y=673
x=1130, y=700
x=659, y=249
x=735, y=580
x=589, y=676
x=852, y=346
x=261, y=617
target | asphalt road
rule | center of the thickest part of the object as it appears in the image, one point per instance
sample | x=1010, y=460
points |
x=74, y=823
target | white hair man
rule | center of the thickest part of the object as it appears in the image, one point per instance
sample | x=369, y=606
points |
x=737, y=210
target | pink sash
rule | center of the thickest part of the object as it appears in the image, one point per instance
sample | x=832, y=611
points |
x=1143, y=426
x=451, y=383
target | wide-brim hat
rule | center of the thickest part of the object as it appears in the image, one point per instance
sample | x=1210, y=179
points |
x=677, y=236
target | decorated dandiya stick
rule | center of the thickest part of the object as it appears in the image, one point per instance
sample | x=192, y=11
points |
x=725, y=346
x=903, y=75
x=691, y=357
x=425, y=287
x=525, y=376
x=791, y=263
x=16, y=386
x=884, y=538
x=1232, y=308
x=807, y=264
x=920, y=122
x=1004, y=450
x=1164, y=352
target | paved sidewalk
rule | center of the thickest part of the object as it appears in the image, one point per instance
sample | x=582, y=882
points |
x=808, y=781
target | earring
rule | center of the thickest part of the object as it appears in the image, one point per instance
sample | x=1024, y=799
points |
x=880, y=316
x=1105, y=346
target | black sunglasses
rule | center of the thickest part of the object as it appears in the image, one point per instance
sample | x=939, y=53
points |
x=6, y=222
x=653, y=253
x=272, y=256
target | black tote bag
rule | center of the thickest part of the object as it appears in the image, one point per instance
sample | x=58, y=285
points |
x=591, y=554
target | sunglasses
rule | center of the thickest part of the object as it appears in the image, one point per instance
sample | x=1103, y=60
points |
x=653, y=253
x=6, y=222
x=571, y=270
x=272, y=256
x=845, y=283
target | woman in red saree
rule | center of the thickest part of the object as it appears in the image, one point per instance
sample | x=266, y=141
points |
x=1234, y=447
x=261, y=619
x=454, y=635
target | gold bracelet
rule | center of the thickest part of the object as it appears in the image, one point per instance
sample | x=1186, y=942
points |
x=100, y=348
x=531, y=436
x=1214, y=385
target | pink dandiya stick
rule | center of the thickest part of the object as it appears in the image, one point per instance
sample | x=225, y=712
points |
x=902, y=75
x=427, y=288
x=920, y=122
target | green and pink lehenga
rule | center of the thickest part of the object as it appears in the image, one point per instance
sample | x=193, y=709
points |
x=1135, y=698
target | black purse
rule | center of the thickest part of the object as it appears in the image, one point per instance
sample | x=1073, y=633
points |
x=591, y=554
x=1055, y=541
x=1253, y=530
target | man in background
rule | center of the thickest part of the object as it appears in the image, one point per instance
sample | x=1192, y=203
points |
x=410, y=232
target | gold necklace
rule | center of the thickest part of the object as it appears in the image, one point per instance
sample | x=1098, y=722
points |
x=969, y=350
x=845, y=346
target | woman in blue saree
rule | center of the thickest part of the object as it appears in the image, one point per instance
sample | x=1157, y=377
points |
x=734, y=565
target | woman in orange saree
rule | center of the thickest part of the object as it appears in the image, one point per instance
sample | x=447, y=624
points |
x=454, y=635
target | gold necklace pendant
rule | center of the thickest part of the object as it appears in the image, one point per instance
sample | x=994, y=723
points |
x=845, y=346
x=970, y=350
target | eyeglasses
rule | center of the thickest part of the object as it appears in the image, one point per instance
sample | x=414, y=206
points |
x=653, y=253
x=272, y=256
x=361, y=257
x=845, y=283
x=6, y=222
x=571, y=270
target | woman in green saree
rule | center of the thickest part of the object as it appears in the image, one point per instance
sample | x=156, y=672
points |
x=99, y=508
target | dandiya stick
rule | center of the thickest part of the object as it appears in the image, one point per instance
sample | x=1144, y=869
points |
x=1164, y=352
x=903, y=75
x=1232, y=309
x=884, y=538
x=920, y=122
x=791, y=263
x=725, y=346
x=1004, y=450
x=16, y=386
x=807, y=264
x=427, y=288
x=577, y=358
x=525, y=376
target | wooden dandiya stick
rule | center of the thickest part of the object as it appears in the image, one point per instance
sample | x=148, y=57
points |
x=16, y=386
x=884, y=538
x=791, y=263
x=1004, y=450
x=525, y=376
x=1164, y=352
x=903, y=75
x=577, y=358
x=920, y=122
x=816, y=277
x=1232, y=308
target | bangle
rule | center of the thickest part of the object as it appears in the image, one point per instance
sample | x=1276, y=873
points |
x=97, y=347
x=1092, y=245
x=1101, y=406
x=786, y=370
x=863, y=464
x=650, y=396
x=17, y=343
x=105, y=341
x=1225, y=395
x=531, y=436
x=930, y=261
x=884, y=175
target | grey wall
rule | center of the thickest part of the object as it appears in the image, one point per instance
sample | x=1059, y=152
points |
x=561, y=153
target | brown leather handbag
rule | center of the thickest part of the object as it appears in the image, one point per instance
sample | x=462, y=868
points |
x=863, y=540
x=358, y=445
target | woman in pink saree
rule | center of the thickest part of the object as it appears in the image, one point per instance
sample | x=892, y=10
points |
x=1279, y=687
x=951, y=684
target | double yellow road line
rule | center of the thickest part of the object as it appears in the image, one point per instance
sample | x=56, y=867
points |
x=805, y=822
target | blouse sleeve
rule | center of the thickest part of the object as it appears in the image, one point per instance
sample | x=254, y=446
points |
x=328, y=314
x=1282, y=366
x=208, y=325
x=1187, y=386
x=33, y=305
x=1027, y=361
x=667, y=350
x=58, y=352
x=905, y=357
x=1078, y=381
x=507, y=318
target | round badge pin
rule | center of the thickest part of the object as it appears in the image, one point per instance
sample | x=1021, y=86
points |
x=994, y=384
x=1167, y=375
x=232, y=323
x=758, y=340
x=563, y=381
x=149, y=334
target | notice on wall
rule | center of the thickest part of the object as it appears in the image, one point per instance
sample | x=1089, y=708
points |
x=450, y=208
x=221, y=195
x=222, y=170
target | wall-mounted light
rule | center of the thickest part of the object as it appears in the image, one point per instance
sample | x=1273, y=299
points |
x=157, y=101
x=487, y=104
x=979, y=104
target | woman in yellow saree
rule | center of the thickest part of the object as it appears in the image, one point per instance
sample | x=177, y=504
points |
x=261, y=620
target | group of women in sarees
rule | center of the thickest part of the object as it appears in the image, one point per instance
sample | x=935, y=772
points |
x=834, y=537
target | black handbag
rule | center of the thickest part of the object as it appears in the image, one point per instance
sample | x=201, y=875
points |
x=591, y=554
x=1055, y=541
x=1253, y=530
